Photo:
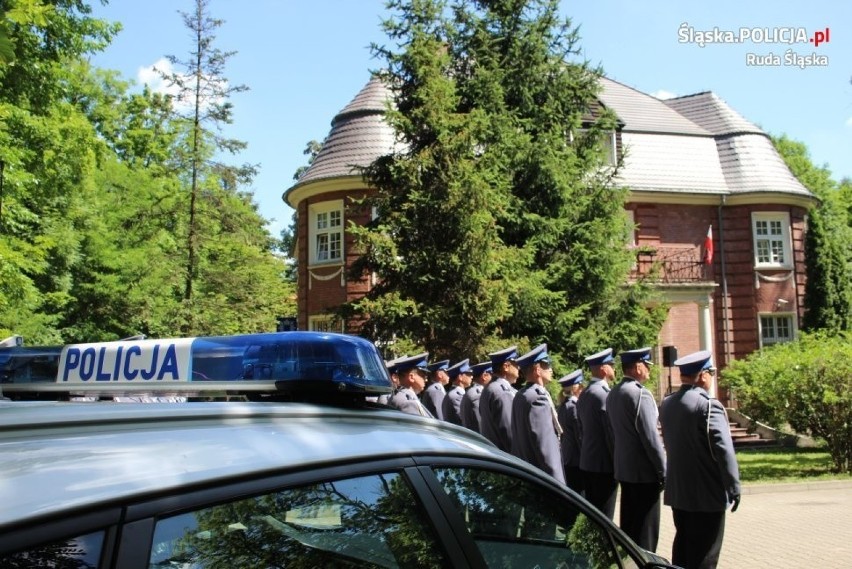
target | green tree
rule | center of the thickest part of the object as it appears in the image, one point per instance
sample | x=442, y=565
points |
x=203, y=87
x=806, y=384
x=93, y=203
x=48, y=151
x=135, y=283
x=497, y=218
x=287, y=243
x=312, y=150
x=828, y=244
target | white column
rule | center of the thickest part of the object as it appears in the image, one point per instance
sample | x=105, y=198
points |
x=705, y=331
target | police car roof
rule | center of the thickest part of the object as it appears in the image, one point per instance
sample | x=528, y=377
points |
x=55, y=457
x=304, y=363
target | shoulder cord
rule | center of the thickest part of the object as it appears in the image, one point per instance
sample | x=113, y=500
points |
x=638, y=408
x=709, y=444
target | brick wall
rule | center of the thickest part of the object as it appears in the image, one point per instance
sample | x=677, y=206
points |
x=680, y=330
x=316, y=295
x=750, y=292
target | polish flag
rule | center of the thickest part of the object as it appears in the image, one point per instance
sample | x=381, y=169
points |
x=708, y=246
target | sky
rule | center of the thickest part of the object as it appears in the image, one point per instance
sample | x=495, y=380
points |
x=304, y=60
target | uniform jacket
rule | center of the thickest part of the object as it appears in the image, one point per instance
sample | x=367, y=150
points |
x=595, y=432
x=638, y=455
x=407, y=401
x=433, y=399
x=452, y=405
x=534, y=437
x=470, y=407
x=703, y=474
x=495, y=410
x=570, y=441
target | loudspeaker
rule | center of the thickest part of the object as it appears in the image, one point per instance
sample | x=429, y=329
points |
x=669, y=355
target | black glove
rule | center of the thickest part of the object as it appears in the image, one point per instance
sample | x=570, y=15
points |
x=736, y=503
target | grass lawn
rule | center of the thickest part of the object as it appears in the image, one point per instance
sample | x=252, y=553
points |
x=786, y=465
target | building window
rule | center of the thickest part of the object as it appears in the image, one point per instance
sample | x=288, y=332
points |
x=607, y=142
x=776, y=328
x=630, y=237
x=325, y=323
x=326, y=232
x=610, y=147
x=771, y=240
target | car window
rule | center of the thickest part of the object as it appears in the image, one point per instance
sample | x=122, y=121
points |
x=516, y=523
x=369, y=521
x=82, y=552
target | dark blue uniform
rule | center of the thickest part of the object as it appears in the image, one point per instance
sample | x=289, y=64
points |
x=470, y=407
x=570, y=444
x=495, y=408
x=534, y=430
x=639, y=460
x=452, y=405
x=703, y=474
x=596, y=449
x=407, y=401
x=433, y=399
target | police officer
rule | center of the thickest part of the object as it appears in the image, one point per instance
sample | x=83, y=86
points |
x=703, y=474
x=412, y=381
x=460, y=376
x=433, y=396
x=596, y=435
x=535, y=427
x=572, y=386
x=384, y=398
x=639, y=459
x=495, y=405
x=470, y=414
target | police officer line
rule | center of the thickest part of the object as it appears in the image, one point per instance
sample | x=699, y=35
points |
x=601, y=437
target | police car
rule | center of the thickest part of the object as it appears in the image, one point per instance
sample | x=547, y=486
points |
x=270, y=455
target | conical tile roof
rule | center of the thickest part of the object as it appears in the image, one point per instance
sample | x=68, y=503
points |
x=359, y=135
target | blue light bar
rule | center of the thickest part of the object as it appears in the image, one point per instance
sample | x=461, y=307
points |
x=282, y=361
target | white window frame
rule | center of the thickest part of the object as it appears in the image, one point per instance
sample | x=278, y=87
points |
x=325, y=323
x=325, y=223
x=770, y=235
x=631, y=228
x=611, y=149
x=608, y=142
x=774, y=318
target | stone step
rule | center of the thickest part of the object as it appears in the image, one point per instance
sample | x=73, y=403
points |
x=744, y=439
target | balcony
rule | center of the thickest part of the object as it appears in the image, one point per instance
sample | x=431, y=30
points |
x=671, y=265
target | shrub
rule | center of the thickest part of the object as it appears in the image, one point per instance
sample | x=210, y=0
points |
x=806, y=384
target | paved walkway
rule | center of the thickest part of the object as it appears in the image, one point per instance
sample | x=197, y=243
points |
x=780, y=526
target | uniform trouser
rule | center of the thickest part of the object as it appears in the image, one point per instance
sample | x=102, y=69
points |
x=639, y=514
x=574, y=479
x=601, y=489
x=698, y=538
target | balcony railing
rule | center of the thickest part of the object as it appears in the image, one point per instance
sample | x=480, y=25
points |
x=671, y=265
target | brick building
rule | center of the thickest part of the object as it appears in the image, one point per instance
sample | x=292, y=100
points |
x=694, y=167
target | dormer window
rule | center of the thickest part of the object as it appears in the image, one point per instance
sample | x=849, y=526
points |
x=607, y=140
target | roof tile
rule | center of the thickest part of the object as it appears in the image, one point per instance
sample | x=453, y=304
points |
x=694, y=144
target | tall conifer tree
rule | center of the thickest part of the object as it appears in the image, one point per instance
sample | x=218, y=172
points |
x=828, y=244
x=204, y=98
x=497, y=218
